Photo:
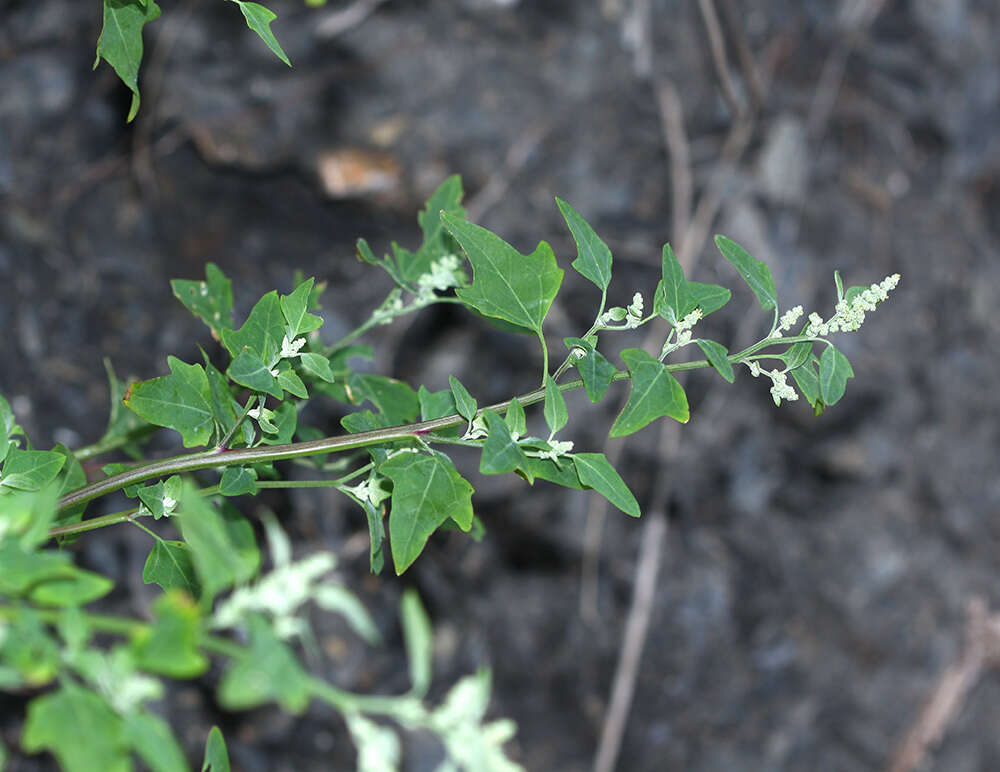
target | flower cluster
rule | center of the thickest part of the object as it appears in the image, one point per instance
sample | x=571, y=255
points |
x=788, y=319
x=443, y=274
x=850, y=314
x=780, y=388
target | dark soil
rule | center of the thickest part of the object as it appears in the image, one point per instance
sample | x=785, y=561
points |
x=815, y=574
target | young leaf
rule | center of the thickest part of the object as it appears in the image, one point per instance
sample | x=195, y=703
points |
x=178, y=401
x=514, y=418
x=596, y=472
x=419, y=640
x=834, y=370
x=259, y=19
x=170, y=565
x=718, y=357
x=120, y=44
x=595, y=370
x=426, y=491
x=261, y=333
x=295, y=309
x=754, y=272
x=506, y=284
x=465, y=403
x=248, y=369
x=290, y=381
x=210, y=300
x=501, y=455
x=593, y=258
x=672, y=300
x=840, y=285
x=708, y=297
x=376, y=536
x=654, y=393
x=447, y=198
x=78, y=728
x=153, y=741
x=216, y=755
x=285, y=420
x=30, y=470
x=318, y=365
x=554, y=411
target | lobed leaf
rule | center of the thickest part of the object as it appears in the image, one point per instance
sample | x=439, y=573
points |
x=210, y=300
x=654, y=393
x=261, y=333
x=427, y=490
x=506, y=285
x=295, y=309
x=179, y=401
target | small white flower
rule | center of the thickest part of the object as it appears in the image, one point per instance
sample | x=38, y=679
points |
x=780, y=388
x=557, y=448
x=688, y=322
x=441, y=276
x=290, y=349
x=789, y=318
x=169, y=503
x=274, y=372
x=754, y=368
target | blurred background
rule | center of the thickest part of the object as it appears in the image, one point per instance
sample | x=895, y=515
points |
x=808, y=589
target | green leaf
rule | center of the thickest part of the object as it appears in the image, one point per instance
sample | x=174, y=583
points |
x=25, y=518
x=754, y=272
x=179, y=401
x=514, y=418
x=556, y=415
x=249, y=370
x=154, y=742
x=290, y=381
x=376, y=536
x=72, y=587
x=396, y=400
x=834, y=370
x=654, y=393
x=71, y=477
x=238, y=481
x=593, y=258
x=718, y=357
x=285, y=421
x=436, y=404
x=318, y=365
x=447, y=198
x=261, y=333
x=29, y=650
x=465, y=403
x=807, y=379
x=210, y=300
x=506, y=284
x=30, y=470
x=708, y=297
x=78, y=728
x=170, y=565
x=266, y=670
x=426, y=491
x=562, y=471
x=259, y=20
x=120, y=44
x=295, y=308
x=419, y=640
x=797, y=355
x=672, y=300
x=222, y=545
x=840, y=285
x=216, y=755
x=596, y=472
x=595, y=370
x=169, y=646
x=501, y=455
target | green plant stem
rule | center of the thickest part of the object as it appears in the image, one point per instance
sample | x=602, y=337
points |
x=215, y=458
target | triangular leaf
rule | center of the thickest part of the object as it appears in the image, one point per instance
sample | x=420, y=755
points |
x=295, y=308
x=654, y=393
x=672, y=300
x=596, y=472
x=259, y=19
x=120, y=44
x=506, y=285
x=261, y=333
